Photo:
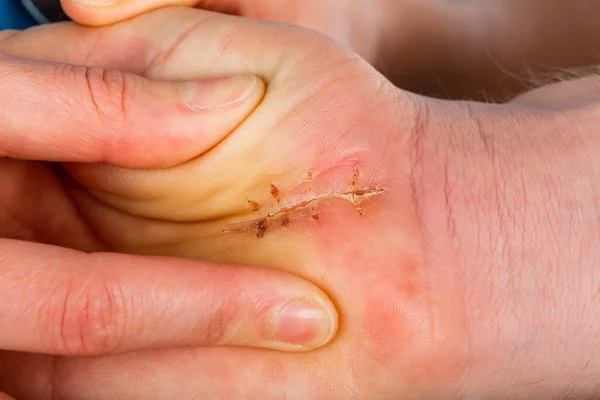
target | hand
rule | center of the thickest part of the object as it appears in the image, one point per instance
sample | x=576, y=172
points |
x=459, y=240
x=339, y=168
x=62, y=294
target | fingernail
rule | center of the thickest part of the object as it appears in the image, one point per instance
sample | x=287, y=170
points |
x=304, y=323
x=215, y=93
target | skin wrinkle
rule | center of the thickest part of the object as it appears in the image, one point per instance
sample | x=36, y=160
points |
x=162, y=57
x=118, y=313
x=229, y=39
x=123, y=102
x=418, y=161
x=110, y=78
x=457, y=248
x=91, y=51
x=453, y=148
x=421, y=126
x=92, y=92
x=61, y=321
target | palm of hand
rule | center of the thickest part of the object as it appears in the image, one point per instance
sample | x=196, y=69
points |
x=317, y=182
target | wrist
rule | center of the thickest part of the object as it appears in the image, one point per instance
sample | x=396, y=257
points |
x=508, y=197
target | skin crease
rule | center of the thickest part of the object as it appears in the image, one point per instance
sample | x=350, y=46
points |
x=477, y=49
x=429, y=307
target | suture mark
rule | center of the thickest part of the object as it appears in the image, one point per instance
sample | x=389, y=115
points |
x=356, y=197
x=355, y=176
x=255, y=206
x=274, y=192
x=261, y=227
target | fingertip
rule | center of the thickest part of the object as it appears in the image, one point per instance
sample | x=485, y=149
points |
x=90, y=14
x=106, y=12
x=219, y=106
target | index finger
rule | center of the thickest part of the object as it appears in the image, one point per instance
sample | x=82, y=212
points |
x=62, y=302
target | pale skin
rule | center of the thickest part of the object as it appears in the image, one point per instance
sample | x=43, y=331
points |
x=478, y=49
x=458, y=240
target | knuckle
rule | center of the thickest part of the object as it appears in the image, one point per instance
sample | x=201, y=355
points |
x=220, y=326
x=108, y=92
x=87, y=318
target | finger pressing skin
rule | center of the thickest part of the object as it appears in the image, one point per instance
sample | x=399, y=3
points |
x=62, y=302
x=64, y=112
x=4, y=396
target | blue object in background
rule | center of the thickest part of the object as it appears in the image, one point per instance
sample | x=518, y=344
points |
x=14, y=16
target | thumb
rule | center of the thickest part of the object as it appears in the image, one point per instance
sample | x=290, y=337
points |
x=104, y=12
x=68, y=113
x=4, y=396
